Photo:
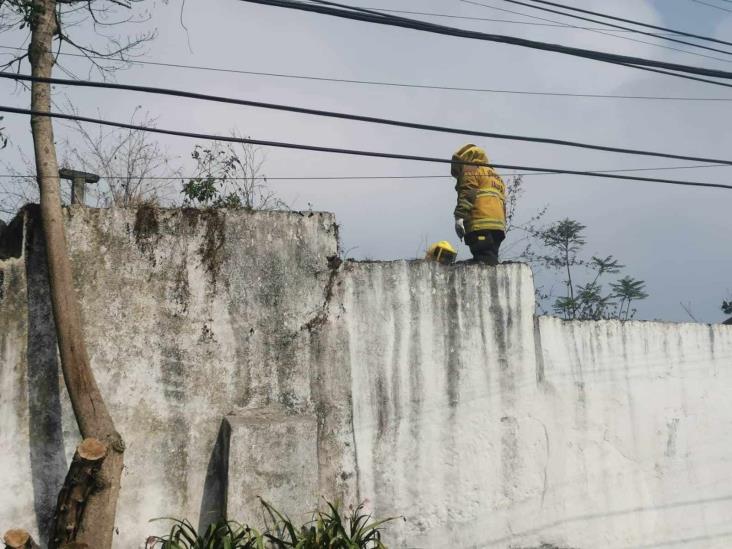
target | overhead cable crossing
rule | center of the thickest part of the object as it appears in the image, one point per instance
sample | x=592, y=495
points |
x=614, y=26
x=487, y=19
x=712, y=6
x=604, y=32
x=375, y=177
x=356, y=117
x=631, y=21
x=360, y=14
x=353, y=152
x=677, y=75
x=396, y=84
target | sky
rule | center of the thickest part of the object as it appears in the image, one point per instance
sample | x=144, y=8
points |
x=674, y=238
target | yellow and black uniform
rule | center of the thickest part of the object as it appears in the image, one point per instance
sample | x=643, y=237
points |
x=481, y=203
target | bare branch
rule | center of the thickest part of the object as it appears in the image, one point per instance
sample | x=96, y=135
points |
x=129, y=163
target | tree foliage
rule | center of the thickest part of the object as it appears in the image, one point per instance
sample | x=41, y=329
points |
x=562, y=243
x=228, y=176
x=104, y=51
x=727, y=309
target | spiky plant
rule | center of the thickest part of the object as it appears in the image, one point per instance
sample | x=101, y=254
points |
x=329, y=529
x=219, y=535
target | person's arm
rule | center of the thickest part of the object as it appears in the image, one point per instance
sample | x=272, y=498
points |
x=466, y=192
x=503, y=198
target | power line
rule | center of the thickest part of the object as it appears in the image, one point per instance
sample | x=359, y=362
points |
x=411, y=25
x=638, y=23
x=400, y=84
x=370, y=177
x=612, y=25
x=712, y=6
x=648, y=69
x=357, y=117
x=486, y=19
x=492, y=20
x=684, y=76
x=352, y=152
x=359, y=14
x=604, y=32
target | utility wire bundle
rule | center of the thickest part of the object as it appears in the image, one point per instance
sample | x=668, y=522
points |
x=332, y=8
x=353, y=152
x=441, y=87
x=356, y=117
x=604, y=31
x=361, y=14
x=622, y=20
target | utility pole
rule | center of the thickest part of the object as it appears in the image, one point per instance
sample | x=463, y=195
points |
x=78, y=183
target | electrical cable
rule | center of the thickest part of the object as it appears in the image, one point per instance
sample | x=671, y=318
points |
x=377, y=177
x=613, y=25
x=684, y=76
x=399, y=84
x=352, y=152
x=633, y=22
x=356, y=117
x=677, y=75
x=712, y=6
x=487, y=19
x=604, y=32
x=359, y=14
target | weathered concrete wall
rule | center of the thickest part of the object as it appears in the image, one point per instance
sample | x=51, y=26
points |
x=239, y=356
x=190, y=317
x=487, y=428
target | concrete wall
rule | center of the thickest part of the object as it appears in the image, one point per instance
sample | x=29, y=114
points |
x=240, y=358
x=484, y=425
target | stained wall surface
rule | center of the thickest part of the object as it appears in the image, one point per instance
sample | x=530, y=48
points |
x=239, y=355
x=486, y=427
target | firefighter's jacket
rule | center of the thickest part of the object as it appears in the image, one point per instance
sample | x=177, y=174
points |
x=481, y=192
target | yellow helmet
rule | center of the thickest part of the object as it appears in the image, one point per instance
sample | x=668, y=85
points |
x=442, y=252
x=467, y=153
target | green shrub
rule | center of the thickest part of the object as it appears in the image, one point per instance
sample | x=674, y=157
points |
x=328, y=530
x=221, y=535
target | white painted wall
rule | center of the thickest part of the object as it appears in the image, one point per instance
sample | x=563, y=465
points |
x=432, y=392
x=581, y=434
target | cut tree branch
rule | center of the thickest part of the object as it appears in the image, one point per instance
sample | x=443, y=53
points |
x=18, y=538
x=81, y=481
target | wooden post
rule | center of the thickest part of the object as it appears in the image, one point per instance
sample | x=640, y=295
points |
x=81, y=481
x=18, y=538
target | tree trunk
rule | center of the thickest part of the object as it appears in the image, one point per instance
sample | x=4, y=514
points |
x=19, y=539
x=91, y=413
x=80, y=483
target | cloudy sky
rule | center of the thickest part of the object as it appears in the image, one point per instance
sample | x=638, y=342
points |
x=675, y=238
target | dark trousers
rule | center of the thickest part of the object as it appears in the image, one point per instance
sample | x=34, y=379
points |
x=484, y=245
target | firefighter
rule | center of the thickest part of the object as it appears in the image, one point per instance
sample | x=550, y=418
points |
x=441, y=252
x=480, y=214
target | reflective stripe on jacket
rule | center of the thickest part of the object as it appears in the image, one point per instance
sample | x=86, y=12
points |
x=481, y=192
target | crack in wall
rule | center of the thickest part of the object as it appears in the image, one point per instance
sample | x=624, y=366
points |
x=321, y=317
